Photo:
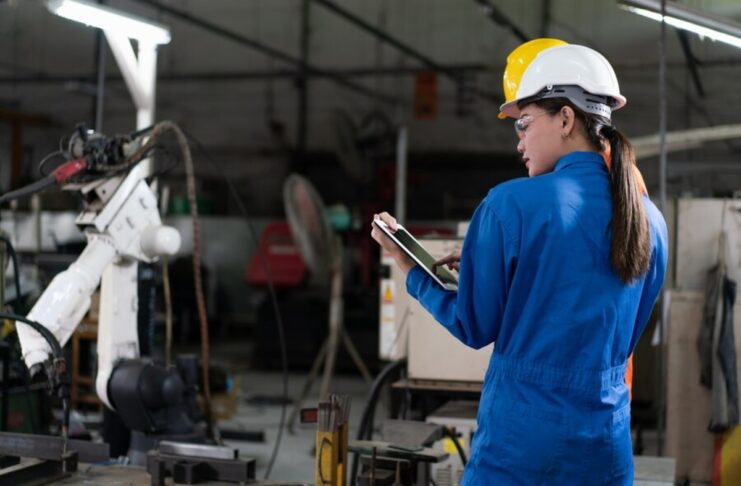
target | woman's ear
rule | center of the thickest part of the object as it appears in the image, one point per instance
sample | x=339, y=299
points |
x=568, y=121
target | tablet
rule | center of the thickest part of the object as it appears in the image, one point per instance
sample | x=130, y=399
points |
x=416, y=252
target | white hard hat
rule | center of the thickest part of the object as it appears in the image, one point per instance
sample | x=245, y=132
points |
x=578, y=73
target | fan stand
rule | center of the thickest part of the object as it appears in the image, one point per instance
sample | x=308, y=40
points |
x=328, y=352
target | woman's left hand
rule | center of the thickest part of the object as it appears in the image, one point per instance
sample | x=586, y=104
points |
x=402, y=260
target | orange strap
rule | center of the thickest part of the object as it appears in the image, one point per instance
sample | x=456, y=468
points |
x=636, y=172
x=629, y=376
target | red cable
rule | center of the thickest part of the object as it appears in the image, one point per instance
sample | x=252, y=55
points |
x=68, y=169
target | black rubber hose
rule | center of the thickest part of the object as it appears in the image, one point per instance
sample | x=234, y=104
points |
x=366, y=422
x=365, y=429
x=32, y=188
x=16, y=274
x=451, y=435
x=273, y=299
x=29, y=404
x=56, y=349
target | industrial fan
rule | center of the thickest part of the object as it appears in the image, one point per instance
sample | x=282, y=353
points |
x=359, y=145
x=322, y=252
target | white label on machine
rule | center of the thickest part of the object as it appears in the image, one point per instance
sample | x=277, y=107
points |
x=388, y=319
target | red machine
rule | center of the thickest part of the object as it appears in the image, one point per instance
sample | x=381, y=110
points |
x=278, y=249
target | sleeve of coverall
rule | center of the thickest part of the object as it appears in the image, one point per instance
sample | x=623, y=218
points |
x=654, y=282
x=473, y=314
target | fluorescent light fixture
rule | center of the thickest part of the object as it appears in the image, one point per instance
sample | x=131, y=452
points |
x=110, y=19
x=681, y=17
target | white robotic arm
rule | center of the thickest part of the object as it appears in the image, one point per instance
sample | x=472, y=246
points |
x=66, y=300
x=122, y=229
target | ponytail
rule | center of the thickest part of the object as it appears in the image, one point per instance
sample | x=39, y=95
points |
x=630, y=253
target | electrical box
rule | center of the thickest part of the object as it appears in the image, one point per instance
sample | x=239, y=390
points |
x=460, y=417
x=429, y=341
x=393, y=333
x=408, y=330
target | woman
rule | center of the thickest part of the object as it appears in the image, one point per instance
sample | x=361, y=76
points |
x=561, y=270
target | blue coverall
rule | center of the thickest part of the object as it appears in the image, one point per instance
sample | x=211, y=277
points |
x=535, y=278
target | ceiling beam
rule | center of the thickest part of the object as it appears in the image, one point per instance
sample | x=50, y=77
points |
x=427, y=61
x=226, y=76
x=692, y=62
x=265, y=49
x=498, y=17
x=385, y=37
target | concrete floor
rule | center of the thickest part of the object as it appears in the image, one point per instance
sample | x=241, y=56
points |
x=295, y=460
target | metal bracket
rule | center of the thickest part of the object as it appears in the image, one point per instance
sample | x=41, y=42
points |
x=195, y=463
x=39, y=472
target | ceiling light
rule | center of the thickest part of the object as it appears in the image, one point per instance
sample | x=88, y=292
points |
x=110, y=19
x=688, y=19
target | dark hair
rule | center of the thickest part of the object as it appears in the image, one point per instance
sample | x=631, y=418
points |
x=630, y=253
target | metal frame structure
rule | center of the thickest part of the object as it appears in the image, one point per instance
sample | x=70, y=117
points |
x=57, y=457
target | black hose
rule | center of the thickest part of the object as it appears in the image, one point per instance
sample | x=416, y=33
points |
x=32, y=188
x=273, y=298
x=18, y=307
x=56, y=349
x=140, y=132
x=16, y=273
x=29, y=404
x=56, y=352
x=451, y=435
x=365, y=430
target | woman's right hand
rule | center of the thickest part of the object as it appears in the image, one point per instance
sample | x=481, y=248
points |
x=453, y=261
x=402, y=260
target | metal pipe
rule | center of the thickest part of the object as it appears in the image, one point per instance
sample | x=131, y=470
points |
x=692, y=63
x=545, y=17
x=253, y=44
x=128, y=65
x=360, y=72
x=661, y=424
x=147, y=67
x=248, y=75
x=5, y=385
x=303, y=83
x=3, y=261
x=401, y=176
x=497, y=16
x=100, y=63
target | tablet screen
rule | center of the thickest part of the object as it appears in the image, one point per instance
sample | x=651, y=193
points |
x=423, y=256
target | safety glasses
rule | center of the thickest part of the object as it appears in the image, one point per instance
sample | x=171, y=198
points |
x=522, y=123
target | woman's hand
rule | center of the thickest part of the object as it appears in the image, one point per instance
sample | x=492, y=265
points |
x=402, y=260
x=453, y=261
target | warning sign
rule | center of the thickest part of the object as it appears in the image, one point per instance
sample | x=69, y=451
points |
x=388, y=294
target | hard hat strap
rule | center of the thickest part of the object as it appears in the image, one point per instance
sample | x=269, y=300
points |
x=587, y=102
